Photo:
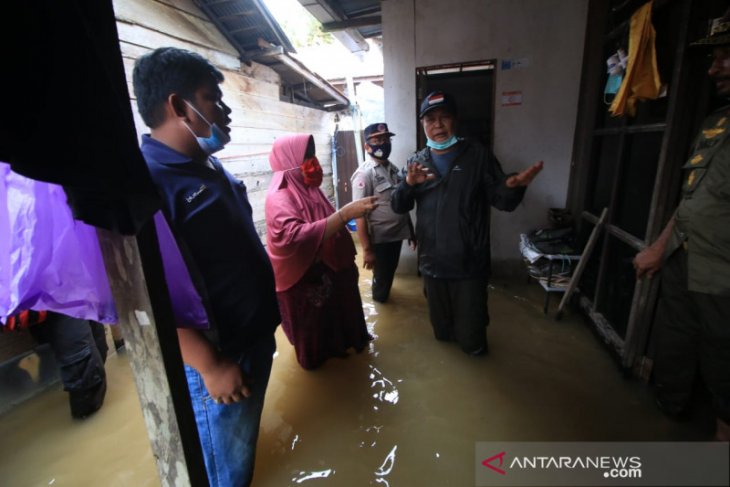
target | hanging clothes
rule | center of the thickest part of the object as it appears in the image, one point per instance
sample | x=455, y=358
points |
x=642, y=81
x=67, y=118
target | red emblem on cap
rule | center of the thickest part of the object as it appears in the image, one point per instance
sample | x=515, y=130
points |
x=436, y=98
x=382, y=127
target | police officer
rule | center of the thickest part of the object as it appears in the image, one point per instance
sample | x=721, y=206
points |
x=693, y=253
x=382, y=231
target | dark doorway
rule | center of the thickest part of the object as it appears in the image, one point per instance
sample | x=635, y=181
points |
x=472, y=86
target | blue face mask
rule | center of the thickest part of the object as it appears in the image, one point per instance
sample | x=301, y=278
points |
x=216, y=141
x=616, y=66
x=441, y=145
x=613, y=84
x=380, y=151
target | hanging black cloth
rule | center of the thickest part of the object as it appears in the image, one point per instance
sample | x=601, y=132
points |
x=66, y=115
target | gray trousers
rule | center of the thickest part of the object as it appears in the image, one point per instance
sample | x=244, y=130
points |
x=693, y=336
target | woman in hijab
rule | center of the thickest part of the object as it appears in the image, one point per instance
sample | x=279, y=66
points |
x=313, y=256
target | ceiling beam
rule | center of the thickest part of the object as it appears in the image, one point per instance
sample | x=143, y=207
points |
x=351, y=23
x=245, y=13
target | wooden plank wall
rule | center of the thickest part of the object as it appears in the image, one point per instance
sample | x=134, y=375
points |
x=252, y=92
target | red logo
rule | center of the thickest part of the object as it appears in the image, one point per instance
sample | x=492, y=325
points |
x=436, y=98
x=488, y=463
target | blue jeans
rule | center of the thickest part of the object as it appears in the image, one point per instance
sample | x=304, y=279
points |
x=228, y=433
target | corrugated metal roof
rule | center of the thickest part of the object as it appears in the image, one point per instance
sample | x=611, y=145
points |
x=244, y=22
x=354, y=9
x=253, y=31
x=355, y=20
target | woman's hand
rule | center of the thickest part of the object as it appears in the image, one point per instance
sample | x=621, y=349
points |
x=358, y=208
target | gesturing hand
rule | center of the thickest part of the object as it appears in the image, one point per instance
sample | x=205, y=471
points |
x=525, y=177
x=418, y=174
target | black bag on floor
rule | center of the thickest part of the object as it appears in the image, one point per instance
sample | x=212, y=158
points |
x=553, y=240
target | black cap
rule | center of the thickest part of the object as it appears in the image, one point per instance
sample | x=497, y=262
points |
x=718, y=32
x=437, y=99
x=375, y=129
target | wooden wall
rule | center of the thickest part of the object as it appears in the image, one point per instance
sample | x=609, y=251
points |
x=252, y=92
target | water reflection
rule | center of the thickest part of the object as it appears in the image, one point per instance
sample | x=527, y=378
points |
x=32, y=365
x=304, y=476
x=388, y=392
x=387, y=466
x=369, y=310
x=370, y=317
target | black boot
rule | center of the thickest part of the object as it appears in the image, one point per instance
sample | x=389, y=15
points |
x=86, y=402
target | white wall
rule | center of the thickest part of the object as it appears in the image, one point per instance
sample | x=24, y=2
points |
x=252, y=92
x=548, y=34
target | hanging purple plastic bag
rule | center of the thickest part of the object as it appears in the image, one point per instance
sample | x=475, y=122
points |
x=49, y=261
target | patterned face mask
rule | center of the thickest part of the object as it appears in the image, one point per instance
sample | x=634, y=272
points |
x=380, y=151
x=312, y=172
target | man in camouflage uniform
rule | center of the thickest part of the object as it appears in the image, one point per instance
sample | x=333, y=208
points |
x=382, y=231
x=693, y=253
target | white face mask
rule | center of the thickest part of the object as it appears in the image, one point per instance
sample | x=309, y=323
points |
x=216, y=141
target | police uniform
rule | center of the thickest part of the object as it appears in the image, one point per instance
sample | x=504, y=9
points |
x=694, y=311
x=386, y=228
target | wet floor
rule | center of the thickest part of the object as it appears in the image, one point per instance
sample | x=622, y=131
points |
x=405, y=412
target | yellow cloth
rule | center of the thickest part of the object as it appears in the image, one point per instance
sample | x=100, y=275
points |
x=641, y=81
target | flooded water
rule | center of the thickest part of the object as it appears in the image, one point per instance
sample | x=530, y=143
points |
x=42, y=445
x=405, y=412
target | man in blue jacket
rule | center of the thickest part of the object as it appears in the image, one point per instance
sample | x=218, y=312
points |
x=454, y=182
x=227, y=366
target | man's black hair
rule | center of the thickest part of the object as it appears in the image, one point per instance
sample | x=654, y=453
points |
x=165, y=71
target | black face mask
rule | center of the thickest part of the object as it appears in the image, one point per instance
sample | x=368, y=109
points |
x=380, y=151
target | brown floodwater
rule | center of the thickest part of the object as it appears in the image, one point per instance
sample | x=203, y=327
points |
x=405, y=412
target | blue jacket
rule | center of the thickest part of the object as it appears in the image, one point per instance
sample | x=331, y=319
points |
x=209, y=210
